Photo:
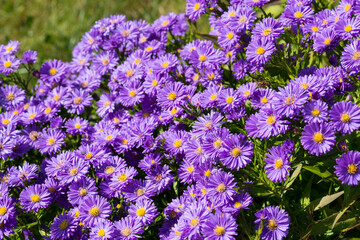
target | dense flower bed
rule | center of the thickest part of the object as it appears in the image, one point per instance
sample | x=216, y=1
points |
x=159, y=131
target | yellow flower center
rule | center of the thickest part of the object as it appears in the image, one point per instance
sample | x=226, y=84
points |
x=203, y=191
x=345, y=117
x=73, y=171
x=94, y=211
x=197, y=6
x=315, y=29
x=219, y=230
x=213, y=97
x=298, y=15
x=165, y=65
x=141, y=212
x=32, y=116
x=237, y=204
x=35, y=198
x=7, y=64
x=352, y=168
x=132, y=93
x=64, y=224
x=271, y=119
x=347, y=7
x=109, y=170
x=171, y=96
x=230, y=35
x=5, y=121
x=202, y=58
x=122, y=177
x=230, y=99
x=264, y=100
x=315, y=112
x=91, y=41
x=272, y=224
x=242, y=19
x=154, y=83
x=260, y=50
x=217, y=144
x=124, y=141
x=211, y=76
x=318, y=137
x=232, y=14
x=327, y=41
x=290, y=100
x=88, y=155
x=191, y=169
x=137, y=61
x=278, y=163
x=101, y=232
x=52, y=71
x=148, y=49
x=140, y=192
x=9, y=48
x=126, y=232
x=356, y=56
x=207, y=173
x=178, y=143
x=194, y=222
x=108, y=138
x=236, y=152
x=78, y=126
x=267, y=32
x=78, y=100
x=165, y=23
x=56, y=97
x=51, y=141
x=221, y=188
x=173, y=111
x=348, y=28
x=11, y=96
x=105, y=61
x=83, y=192
x=47, y=111
x=3, y=210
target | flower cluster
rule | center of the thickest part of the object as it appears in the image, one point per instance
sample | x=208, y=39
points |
x=151, y=131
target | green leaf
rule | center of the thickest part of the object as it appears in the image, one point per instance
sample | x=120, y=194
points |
x=294, y=176
x=305, y=197
x=317, y=171
x=322, y=202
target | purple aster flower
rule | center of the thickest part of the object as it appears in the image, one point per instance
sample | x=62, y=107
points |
x=260, y=50
x=242, y=18
x=221, y=187
x=315, y=111
x=187, y=172
x=208, y=123
x=8, y=227
x=175, y=141
x=229, y=99
x=164, y=64
x=194, y=151
x=8, y=64
x=348, y=28
x=11, y=47
x=53, y=72
x=144, y=210
x=76, y=125
x=214, y=143
x=194, y=9
x=276, y=223
x=78, y=100
x=50, y=140
x=348, y=168
x=80, y=190
x=23, y=174
x=220, y=226
x=172, y=95
x=29, y=56
x=297, y=14
x=129, y=228
x=350, y=58
x=63, y=226
x=7, y=209
x=205, y=56
x=93, y=210
x=277, y=167
x=139, y=189
x=262, y=98
x=34, y=197
x=289, y=100
x=104, y=230
x=237, y=152
x=318, y=138
x=122, y=177
x=192, y=220
x=326, y=41
x=345, y=117
x=7, y=144
x=227, y=37
x=11, y=96
x=241, y=201
x=160, y=177
x=104, y=62
x=268, y=28
x=131, y=94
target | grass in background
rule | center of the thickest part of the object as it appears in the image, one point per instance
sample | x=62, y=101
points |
x=53, y=27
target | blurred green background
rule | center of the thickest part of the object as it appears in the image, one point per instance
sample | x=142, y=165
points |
x=53, y=27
